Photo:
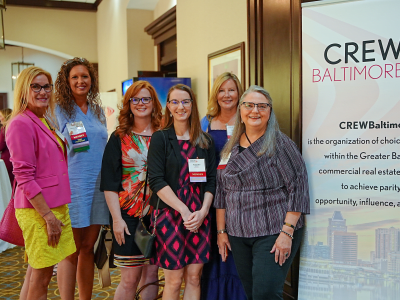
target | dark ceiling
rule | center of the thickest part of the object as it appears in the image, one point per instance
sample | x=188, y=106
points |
x=70, y=5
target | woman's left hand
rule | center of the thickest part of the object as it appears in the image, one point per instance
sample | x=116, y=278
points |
x=54, y=229
x=195, y=220
x=282, y=248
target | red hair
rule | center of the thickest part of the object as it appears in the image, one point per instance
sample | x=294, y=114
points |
x=126, y=118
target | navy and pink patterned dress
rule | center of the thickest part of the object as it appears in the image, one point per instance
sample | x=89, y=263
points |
x=177, y=247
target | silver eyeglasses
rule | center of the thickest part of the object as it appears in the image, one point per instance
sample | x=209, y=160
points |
x=260, y=106
x=185, y=102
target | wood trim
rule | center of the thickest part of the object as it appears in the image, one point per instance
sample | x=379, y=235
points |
x=252, y=40
x=238, y=46
x=165, y=36
x=97, y=3
x=158, y=57
x=162, y=24
x=3, y=100
x=56, y=4
x=274, y=57
x=171, y=25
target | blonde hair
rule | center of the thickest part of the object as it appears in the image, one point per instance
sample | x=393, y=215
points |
x=6, y=112
x=197, y=136
x=22, y=90
x=213, y=108
x=270, y=135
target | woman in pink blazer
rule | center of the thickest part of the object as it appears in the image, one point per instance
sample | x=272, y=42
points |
x=38, y=156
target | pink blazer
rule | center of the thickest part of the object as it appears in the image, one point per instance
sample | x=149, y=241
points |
x=40, y=166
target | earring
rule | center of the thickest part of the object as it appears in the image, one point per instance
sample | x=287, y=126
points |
x=152, y=113
x=170, y=115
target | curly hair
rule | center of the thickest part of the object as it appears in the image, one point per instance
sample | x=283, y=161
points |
x=63, y=93
x=127, y=119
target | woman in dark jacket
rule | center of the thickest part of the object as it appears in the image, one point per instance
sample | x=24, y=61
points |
x=182, y=175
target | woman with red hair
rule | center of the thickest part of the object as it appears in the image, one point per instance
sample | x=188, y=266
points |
x=123, y=180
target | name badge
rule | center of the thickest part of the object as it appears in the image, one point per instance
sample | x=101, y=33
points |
x=61, y=136
x=223, y=162
x=197, y=170
x=229, y=130
x=79, y=139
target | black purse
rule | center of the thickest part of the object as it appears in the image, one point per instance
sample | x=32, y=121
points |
x=104, y=256
x=143, y=238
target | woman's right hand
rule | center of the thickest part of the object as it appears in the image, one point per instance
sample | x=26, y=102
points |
x=185, y=214
x=119, y=229
x=53, y=229
x=223, y=245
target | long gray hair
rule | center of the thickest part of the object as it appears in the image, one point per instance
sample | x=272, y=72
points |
x=269, y=144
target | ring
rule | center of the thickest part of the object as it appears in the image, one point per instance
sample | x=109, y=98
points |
x=286, y=254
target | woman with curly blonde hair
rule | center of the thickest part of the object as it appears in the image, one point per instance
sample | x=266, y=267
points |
x=78, y=103
x=123, y=180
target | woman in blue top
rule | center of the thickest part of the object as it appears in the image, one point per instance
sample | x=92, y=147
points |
x=77, y=96
x=220, y=279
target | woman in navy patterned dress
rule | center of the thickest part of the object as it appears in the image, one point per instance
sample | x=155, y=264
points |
x=220, y=279
x=182, y=220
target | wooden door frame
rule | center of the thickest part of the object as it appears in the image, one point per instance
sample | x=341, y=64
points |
x=274, y=60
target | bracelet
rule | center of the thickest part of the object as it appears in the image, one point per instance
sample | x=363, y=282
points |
x=222, y=231
x=46, y=213
x=288, y=225
x=288, y=234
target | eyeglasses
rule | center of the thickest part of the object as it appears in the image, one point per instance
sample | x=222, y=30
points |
x=37, y=87
x=260, y=106
x=145, y=100
x=185, y=102
x=78, y=59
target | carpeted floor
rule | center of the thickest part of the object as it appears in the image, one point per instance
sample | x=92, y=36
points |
x=12, y=272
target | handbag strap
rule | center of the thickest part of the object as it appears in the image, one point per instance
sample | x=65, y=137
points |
x=158, y=201
x=144, y=195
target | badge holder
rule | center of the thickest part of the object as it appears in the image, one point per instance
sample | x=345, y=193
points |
x=77, y=132
x=197, y=170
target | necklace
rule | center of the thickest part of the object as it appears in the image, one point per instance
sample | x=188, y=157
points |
x=247, y=137
x=148, y=128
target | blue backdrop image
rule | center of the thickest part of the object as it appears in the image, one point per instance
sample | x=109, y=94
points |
x=160, y=84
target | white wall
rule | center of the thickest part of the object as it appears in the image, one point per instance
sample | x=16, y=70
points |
x=203, y=27
x=66, y=31
x=112, y=44
x=140, y=44
x=48, y=62
x=163, y=6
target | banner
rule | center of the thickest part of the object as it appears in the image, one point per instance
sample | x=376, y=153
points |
x=351, y=145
